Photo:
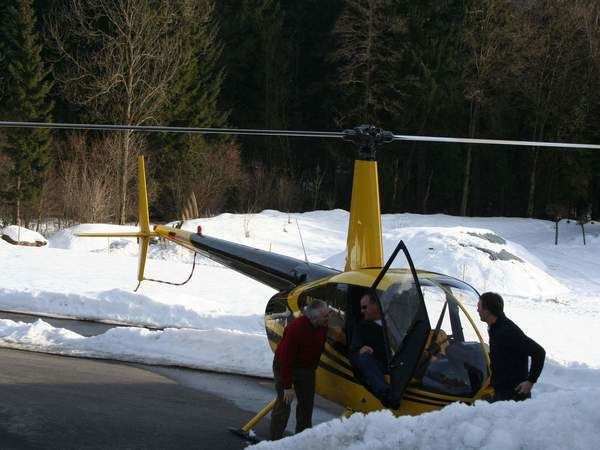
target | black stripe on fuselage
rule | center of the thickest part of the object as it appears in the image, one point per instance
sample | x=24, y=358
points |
x=431, y=396
x=278, y=271
x=338, y=372
x=425, y=402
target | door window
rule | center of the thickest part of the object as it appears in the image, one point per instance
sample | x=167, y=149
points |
x=336, y=296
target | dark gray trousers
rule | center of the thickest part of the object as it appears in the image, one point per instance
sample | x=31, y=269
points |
x=304, y=387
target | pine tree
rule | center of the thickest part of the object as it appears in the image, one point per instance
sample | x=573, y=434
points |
x=489, y=34
x=26, y=99
x=256, y=61
x=194, y=102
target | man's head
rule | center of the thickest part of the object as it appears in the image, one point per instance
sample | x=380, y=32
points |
x=318, y=313
x=490, y=307
x=369, y=307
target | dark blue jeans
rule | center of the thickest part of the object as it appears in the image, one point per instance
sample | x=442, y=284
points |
x=372, y=370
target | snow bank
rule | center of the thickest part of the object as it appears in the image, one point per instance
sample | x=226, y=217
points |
x=478, y=256
x=123, y=307
x=216, y=349
x=67, y=240
x=323, y=232
x=20, y=234
x=550, y=421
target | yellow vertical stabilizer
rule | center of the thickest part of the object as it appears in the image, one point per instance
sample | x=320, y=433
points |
x=144, y=234
x=143, y=217
x=364, y=248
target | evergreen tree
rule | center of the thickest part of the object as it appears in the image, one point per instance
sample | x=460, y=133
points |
x=25, y=99
x=256, y=88
x=194, y=102
x=434, y=104
x=546, y=88
x=490, y=34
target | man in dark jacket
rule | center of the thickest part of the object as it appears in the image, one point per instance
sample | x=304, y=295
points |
x=510, y=350
x=367, y=350
x=294, y=367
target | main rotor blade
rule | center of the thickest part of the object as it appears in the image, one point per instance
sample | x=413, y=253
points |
x=399, y=137
x=254, y=132
x=236, y=131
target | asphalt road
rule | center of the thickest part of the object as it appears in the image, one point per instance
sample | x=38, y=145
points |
x=57, y=402
x=49, y=401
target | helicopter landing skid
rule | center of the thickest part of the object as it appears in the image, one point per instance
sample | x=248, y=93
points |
x=246, y=431
x=249, y=436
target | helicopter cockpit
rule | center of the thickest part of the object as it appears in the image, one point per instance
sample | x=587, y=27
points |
x=453, y=360
x=433, y=345
x=449, y=353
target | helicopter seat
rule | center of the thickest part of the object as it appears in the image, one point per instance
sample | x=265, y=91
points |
x=457, y=370
x=337, y=335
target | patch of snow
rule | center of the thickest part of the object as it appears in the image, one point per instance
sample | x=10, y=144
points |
x=20, y=234
x=549, y=421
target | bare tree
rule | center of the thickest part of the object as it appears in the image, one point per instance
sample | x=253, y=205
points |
x=124, y=71
x=87, y=179
x=368, y=56
x=220, y=172
x=314, y=184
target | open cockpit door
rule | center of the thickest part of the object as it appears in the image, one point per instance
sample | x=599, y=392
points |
x=405, y=321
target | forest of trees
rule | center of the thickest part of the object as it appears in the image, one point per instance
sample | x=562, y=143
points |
x=502, y=69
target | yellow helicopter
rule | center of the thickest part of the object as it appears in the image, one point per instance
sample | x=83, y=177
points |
x=436, y=354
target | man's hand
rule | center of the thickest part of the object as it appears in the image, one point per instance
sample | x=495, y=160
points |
x=288, y=396
x=524, y=387
x=365, y=349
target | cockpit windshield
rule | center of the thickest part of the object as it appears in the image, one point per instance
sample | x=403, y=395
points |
x=454, y=361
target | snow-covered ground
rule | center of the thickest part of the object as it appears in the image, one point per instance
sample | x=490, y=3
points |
x=216, y=320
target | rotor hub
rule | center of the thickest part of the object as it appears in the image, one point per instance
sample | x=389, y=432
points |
x=367, y=138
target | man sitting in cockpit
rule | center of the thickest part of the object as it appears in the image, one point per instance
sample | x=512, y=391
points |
x=367, y=351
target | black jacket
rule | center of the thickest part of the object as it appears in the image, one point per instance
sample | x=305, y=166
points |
x=371, y=334
x=510, y=350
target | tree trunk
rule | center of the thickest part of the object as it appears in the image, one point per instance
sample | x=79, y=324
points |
x=368, y=93
x=531, y=202
x=124, y=179
x=396, y=166
x=18, y=203
x=421, y=181
x=427, y=192
x=126, y=144
x=40, y=204
x=467, y=179
x=466, y=183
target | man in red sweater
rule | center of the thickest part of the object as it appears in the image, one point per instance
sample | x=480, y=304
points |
x=294, y=367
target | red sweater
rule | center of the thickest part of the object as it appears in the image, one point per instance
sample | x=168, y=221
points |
x=301, y=346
